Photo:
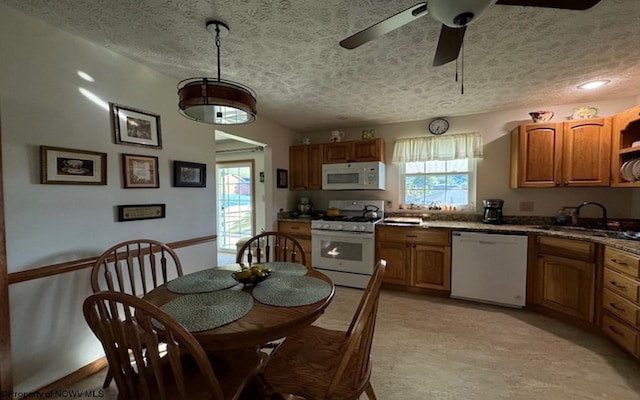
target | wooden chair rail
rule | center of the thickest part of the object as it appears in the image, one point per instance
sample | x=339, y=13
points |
x=76, y=265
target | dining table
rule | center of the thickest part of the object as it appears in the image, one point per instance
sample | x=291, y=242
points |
x=263, y=317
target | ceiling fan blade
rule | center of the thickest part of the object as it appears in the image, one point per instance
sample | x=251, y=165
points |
x=562, y=4
x=385, y=26
x=449, y=45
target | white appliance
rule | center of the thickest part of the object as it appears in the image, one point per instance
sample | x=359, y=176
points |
x=490, y=268
x=343, y=247
x=353, y=176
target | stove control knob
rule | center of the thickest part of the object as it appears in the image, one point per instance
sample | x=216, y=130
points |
x=354, y=228
x=325, y=226
x=340, y=227
x=362, y=227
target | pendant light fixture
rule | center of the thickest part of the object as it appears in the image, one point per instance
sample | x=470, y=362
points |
x=216, y=101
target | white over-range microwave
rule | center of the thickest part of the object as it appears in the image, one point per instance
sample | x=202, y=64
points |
x=353, y=176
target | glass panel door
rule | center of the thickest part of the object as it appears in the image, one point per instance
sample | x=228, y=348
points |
x=235, y=191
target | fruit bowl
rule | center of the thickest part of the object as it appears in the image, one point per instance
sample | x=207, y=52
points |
x=251, y=275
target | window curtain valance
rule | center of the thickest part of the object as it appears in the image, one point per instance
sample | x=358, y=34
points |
x=441, y=148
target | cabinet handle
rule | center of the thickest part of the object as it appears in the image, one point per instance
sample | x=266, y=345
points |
x=411, y=236
x=618, y=262
x=616, y=285
x=557, y=183
x=613, y=305
x=614, y=330
x=295, y=228
x=566, y=183
x=414, y=246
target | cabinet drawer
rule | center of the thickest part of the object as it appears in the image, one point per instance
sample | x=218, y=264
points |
x=620, y=307
x=621, y=284
x=409, y=235
x=622, y=261
x=568, y=248
x=294, y=228
x=621, y=333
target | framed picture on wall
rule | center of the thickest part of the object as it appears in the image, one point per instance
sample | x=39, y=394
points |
x=135, y=212
x=140, y=171
x=72, y=167
x=282, y=178
x=189, y=174
x=135, y=127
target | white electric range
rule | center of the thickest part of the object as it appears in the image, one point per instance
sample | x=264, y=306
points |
x=343, y=247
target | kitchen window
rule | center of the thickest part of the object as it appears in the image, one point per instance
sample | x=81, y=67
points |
x=450, y=182
x=438, y=170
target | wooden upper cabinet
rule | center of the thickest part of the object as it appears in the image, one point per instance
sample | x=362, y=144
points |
x=536, y=155
x=586, y=154
x=573, y=153
x=626, y=131
x=305, y=167
x=354, y=151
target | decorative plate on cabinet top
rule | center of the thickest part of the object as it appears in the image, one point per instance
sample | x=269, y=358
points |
x=635, y=169
x=584, y=112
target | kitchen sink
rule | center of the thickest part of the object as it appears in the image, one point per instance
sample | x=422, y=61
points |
x=582, y=231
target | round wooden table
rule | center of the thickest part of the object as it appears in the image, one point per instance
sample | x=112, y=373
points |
x=262, y=324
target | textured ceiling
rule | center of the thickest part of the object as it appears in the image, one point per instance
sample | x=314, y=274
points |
x=287, y=51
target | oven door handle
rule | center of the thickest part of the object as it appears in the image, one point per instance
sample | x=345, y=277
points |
x=345, y=234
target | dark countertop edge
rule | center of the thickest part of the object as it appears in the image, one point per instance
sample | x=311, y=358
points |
x=621, y=244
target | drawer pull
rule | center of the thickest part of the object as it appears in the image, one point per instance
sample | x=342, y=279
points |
x=614, y=330
x=411, y=236
x=613, y=305
x=295, y=228
x=619, y=262
x=616, y=285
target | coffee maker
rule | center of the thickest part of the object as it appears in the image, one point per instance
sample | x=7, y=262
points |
x=492, y=211
x=305, y=208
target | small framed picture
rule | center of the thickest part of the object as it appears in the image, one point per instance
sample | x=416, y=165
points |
x=72, y=167
x=140, y=171
x=135, y=127
x=135, y=212
x=189, y=174
x=282, y=178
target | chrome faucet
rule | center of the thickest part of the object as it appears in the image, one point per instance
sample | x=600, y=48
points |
x=586, y=203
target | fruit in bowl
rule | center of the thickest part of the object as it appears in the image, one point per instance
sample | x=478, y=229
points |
x=252, y=275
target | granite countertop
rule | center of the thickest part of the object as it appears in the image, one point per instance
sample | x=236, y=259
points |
x=631, y=246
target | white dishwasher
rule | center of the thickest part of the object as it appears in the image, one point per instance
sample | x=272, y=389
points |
x=490, y=268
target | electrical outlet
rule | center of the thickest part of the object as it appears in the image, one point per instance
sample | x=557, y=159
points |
x=526, y=206
x=388, y=204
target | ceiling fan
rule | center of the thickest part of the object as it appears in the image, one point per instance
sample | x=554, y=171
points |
x=454, y=15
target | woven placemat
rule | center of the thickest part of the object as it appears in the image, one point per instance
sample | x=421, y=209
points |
x=286, y=268
x=291, y=291
x=203, y=311
x=208, y=280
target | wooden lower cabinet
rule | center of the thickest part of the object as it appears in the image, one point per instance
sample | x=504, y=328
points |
x=565, y=277
x=419, y=258
x=621, y=299
x=301, y=231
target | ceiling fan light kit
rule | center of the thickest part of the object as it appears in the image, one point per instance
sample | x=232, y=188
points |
x=213, y=100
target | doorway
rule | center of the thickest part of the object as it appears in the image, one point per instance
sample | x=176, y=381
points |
x=236, y=204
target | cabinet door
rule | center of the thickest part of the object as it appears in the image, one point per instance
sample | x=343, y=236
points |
x=315, y=152
x=431, y=266
x=397, y=256
x=298, y=167
x=368, y=150
x=335, y=153
x=536, y=156
x=566, y=285
x=586, y=152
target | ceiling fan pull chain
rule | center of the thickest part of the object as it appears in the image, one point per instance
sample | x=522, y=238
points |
x=218, y=47
x=462, y=70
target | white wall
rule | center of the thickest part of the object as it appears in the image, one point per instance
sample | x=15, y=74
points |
x=41, y=104
x=493, y=170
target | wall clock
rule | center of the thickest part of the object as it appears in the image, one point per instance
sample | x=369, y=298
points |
x=438, y=126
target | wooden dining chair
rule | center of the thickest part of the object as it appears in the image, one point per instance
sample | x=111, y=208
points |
x=131, y=327
x=135, y=267
x=271, y=246
x=323, y=364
